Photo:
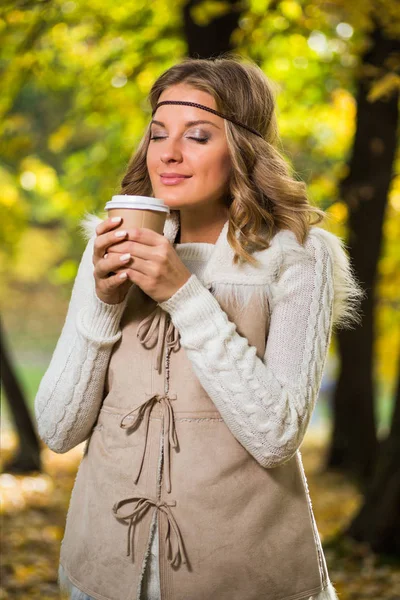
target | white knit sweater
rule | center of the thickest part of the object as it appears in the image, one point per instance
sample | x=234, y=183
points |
x=267, y=404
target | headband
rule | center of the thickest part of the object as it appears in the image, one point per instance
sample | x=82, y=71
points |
x=210, y=110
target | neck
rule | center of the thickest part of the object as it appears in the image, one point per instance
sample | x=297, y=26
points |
x=200, y=226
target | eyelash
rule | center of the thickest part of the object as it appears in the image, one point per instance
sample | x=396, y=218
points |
x=200, y=140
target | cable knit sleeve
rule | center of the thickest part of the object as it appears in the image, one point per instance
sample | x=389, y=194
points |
x=71, y=391
x=266, y=403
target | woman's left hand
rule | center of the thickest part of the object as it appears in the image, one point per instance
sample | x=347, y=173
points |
x=155, y=266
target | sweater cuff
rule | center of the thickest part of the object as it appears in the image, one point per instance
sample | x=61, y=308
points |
x=191, y=305
x=99, y=321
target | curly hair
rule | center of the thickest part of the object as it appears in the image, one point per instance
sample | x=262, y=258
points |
x=263, y=195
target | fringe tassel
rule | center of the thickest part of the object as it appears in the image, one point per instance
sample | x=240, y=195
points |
x=348, y=292
x=88, y=225
x=239, y=296
x=328, y=593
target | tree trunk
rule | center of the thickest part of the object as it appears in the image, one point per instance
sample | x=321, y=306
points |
x=378, y=521
x=28, y=456
x=212, y=39
x=365, y=190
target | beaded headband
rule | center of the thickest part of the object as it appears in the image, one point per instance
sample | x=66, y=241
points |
x=209, y=110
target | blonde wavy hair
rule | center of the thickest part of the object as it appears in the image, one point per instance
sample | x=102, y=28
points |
x=263, y=196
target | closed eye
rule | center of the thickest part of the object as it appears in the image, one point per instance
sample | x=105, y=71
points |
x=200, y=140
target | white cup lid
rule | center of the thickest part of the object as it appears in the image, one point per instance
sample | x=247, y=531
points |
x=140, y=202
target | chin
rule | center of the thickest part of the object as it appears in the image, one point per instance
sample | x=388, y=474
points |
x=172, y=202
x=175, y=200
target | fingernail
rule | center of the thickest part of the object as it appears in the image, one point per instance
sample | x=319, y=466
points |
x=115, y=219
x=124, y=256
x=105, y=256
x=120, y=233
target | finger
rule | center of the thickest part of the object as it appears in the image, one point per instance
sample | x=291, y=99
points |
x=137, y=249
x=111, y=263
x=140, y=265
x=146, y=236
x=103, y=241
x=116, y=279
x=143, y=251
x=108, y=224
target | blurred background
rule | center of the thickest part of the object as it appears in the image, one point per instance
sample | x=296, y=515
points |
x=75, y=76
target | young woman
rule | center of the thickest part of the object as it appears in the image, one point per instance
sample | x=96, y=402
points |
x=193, y=371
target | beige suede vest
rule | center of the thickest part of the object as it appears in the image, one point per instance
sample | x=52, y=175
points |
x=229, y=529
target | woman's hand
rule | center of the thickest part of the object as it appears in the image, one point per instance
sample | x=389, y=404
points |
x=155, y=267
x=110, y=288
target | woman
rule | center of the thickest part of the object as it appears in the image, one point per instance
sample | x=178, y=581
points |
x=193, y=371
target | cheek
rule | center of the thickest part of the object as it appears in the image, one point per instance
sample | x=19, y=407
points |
x=217, y=169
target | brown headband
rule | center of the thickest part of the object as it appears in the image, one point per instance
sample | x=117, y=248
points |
x=210, y=110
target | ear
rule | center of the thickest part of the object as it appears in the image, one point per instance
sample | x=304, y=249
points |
x=88, y=225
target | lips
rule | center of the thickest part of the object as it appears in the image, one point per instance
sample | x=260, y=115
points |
x=173, y=175
x=172, y=179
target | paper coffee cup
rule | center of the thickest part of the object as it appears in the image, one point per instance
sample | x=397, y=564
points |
x=139, y=211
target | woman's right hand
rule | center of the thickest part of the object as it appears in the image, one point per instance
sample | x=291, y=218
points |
x=111, y=289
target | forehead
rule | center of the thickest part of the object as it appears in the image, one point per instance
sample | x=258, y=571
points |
x=183, y=113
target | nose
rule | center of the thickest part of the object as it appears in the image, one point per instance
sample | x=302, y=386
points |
x=171, y=151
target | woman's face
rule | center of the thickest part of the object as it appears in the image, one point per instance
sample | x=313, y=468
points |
x=186, y=146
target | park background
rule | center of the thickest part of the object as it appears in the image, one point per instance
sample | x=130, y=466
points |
x=75, y=76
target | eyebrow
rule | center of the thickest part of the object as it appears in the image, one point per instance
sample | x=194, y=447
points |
x=188, y=124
